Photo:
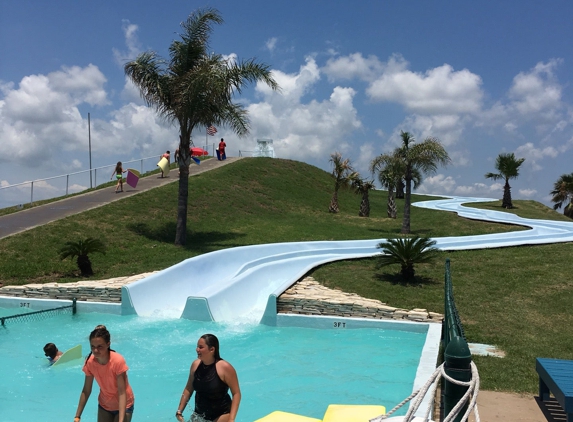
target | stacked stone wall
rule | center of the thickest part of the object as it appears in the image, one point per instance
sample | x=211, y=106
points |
x=308, y=297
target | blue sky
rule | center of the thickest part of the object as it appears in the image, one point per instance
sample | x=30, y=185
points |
x=484, y=77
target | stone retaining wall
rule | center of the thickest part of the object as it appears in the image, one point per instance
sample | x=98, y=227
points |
x=308, y=297
x=87, y=290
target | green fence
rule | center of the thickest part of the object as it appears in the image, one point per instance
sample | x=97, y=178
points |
x=456, y=353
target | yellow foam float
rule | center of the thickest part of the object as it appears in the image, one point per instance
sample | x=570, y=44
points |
x=163, y=164
x=69, y=355
x=352, y=413
x=278, y=416
x=334, y=413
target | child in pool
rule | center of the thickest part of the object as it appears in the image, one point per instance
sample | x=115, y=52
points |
x=52, y=353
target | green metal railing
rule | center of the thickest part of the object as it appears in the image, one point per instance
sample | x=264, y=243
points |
x=457, y=356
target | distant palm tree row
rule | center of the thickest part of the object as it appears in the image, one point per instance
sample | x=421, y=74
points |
x=407, y=165
x=403, y=167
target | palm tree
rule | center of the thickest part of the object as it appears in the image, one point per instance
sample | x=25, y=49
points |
x=508, y=168
x=563, y=192
x=81, y=249
x=362, y=186
x=342, y=171
x=407, y=252
x=424, y=158
x=195, y=88
x=391, y=170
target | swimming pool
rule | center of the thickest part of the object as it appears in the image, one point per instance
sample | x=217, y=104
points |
x=294, y=369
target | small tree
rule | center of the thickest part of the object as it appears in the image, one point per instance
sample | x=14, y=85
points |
x=407, y=252
x=342, y=172
x=391, y=170
x=81, y=249
x=508, y=168
x=363, y=187
x=563, y=192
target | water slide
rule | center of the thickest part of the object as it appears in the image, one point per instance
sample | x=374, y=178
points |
x=244, y=282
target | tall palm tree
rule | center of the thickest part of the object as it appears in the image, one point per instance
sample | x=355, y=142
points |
x=407, y=252
x=195, y=88
x=423, y=157
x=342, y=172
x=563, y=192
x=508, y=168
x=363, y=187
x=391, y=170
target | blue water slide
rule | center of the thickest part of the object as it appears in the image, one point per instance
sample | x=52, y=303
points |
x=244, y=282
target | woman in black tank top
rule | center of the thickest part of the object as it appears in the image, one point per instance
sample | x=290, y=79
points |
x=211, y=378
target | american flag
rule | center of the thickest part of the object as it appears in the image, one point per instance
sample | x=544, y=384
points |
x=212, y=130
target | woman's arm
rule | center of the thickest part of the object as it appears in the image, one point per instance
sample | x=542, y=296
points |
x=229, y=377
x=187, y=392
x=121, y=383
x=84, y=396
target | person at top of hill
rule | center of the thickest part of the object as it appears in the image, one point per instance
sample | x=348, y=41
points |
x=222, y=146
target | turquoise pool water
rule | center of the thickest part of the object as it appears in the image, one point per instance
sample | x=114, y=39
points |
x=299, y=370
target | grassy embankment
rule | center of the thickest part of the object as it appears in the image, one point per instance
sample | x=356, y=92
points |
x=516, y=298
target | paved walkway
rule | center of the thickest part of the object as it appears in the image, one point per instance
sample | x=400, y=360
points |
x=43, y=214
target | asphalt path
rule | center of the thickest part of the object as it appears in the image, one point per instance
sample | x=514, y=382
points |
x=43, y=214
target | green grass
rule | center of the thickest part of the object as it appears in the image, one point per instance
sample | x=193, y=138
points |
x=516, y=298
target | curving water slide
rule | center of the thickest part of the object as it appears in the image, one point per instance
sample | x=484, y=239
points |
x=244, y=282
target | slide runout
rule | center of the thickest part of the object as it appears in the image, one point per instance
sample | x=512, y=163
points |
x=248, y=293
x=203, y=275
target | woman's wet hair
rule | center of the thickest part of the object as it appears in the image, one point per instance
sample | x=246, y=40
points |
x=211, y=340
x=118, y=166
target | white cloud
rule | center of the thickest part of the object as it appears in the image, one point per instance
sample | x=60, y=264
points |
x=527, y=193
x=271, y=44
x=479, y=189
x=131, y=42
x=353, y=66
x=40, y=116
x=437, y=91
x=303, y=130
x=537, y=91
x=438, y=184
x=533, y=155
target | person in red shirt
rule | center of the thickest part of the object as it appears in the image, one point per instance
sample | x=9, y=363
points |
x=116, y=399
x=222, y=146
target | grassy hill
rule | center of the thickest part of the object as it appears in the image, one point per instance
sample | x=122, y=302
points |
x=516, y=298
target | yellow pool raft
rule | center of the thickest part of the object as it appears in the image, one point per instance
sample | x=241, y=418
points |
x=334, y=413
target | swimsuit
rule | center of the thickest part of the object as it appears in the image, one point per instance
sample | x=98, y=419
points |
x=211, y=393
x=118, y=176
